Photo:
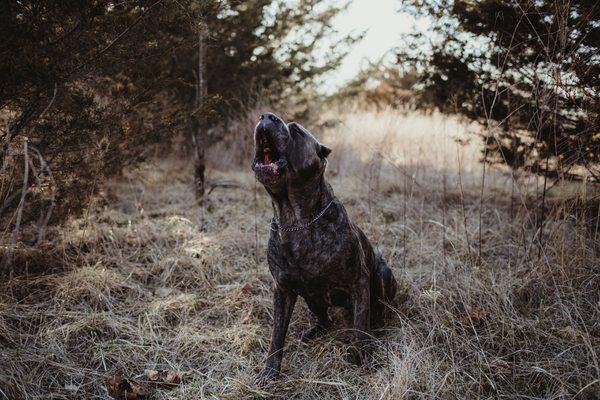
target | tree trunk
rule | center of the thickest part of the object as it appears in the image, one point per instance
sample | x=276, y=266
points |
x=199, y=130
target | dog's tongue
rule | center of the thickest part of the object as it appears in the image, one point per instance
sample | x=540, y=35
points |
x=271, y=166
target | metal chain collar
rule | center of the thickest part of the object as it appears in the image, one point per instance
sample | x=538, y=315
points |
x=293, y=228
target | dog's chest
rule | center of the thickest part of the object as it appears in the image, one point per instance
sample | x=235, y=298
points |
x=304, y=258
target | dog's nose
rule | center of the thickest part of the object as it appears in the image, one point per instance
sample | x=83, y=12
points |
x=268, y=123
x=269, y=117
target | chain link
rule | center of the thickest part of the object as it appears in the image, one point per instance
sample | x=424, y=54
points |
x=294, y=228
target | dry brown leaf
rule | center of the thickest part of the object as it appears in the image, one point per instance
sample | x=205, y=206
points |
x=477, y=314
x=172, y=378
x=474, y=315
x=202, y=304
x=166, y=376
x=500, y=366
x=152, y=375
x=247, y=288
x=121, y=387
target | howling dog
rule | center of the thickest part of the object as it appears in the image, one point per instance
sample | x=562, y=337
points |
x=314, y=250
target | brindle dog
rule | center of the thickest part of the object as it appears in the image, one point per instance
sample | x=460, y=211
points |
x=314, y=250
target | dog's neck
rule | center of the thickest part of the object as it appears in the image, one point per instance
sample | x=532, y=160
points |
x=298, y=204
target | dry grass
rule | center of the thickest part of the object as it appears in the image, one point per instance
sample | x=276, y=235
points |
x=148, y=280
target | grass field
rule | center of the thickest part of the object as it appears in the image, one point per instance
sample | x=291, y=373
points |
x=491, y=306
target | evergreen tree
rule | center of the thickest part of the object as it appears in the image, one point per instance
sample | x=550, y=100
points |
x=528, y=68
x=87, y=86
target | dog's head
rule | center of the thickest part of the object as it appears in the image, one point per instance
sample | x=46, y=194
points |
x=286, y=153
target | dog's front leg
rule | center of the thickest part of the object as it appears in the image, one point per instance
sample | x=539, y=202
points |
x=283, y=306
x=362, y=320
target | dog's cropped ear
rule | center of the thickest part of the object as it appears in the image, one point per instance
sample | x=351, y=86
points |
x=296, y=128
x=324, y=151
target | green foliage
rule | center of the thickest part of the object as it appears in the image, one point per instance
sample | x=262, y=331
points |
x=529, y=69
x=273, y=49
x=90, y=85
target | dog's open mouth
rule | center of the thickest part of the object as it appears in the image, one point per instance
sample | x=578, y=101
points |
x=268, y=163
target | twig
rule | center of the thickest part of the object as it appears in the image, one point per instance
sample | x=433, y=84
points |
x=51, y=102
x=412, y=177
x=480, y=244
x=543, y=213
x=444, y=200
x=8, y=256
x=462, y=202
x=115, y=40
x=404, y=222
x=255, y=227
x=23, y=192
x=6, y=147
x=224, y=185
x=44, y=222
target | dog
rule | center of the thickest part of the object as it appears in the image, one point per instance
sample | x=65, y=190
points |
x=314, y=250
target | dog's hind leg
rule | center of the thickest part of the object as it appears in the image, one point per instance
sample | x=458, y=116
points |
x=377, y=311
x=362, y=310
x=383, y=290
x=319, y=308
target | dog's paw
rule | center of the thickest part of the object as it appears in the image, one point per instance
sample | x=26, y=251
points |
x=266, y=376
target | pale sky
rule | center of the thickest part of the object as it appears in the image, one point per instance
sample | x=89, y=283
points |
x=384, y=24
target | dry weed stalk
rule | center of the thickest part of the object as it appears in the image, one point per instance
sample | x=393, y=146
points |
x=148, y=282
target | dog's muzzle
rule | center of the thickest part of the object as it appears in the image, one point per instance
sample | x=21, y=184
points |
x=269, y=163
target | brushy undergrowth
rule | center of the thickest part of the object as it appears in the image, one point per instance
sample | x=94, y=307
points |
x=492, y=307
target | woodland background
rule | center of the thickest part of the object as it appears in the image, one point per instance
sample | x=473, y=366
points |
x=133, y=232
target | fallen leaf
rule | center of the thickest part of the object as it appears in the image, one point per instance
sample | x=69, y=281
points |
x=500, y=366
x=166, y=376
x=474, y=315
x=247, y=288
x=202, y=304
x=477, y=314
x=172, y=378
x=152, y=375
x=121, y=387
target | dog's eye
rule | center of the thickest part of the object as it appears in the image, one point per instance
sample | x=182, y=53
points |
x=273, y=118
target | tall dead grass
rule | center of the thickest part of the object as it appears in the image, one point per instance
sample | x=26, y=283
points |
x=147, y=280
